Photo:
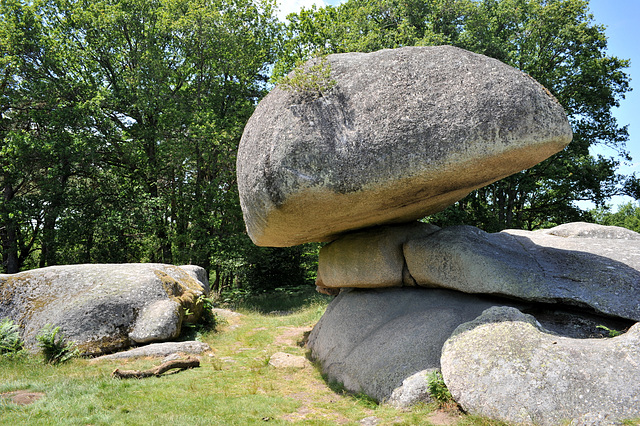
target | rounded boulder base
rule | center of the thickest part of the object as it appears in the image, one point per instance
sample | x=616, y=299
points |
x=503, y=365
x=371, y=340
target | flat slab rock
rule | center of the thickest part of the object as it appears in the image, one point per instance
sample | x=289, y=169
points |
x=104, y=307
x=590, y=267
x=593, y=267
x=404, y=133
x=503, y=365
x=158, y=350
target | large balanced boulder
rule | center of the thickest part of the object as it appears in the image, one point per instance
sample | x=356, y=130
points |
x=104, y=307
x=397, y=135
x=588, y=268
x=505, y=366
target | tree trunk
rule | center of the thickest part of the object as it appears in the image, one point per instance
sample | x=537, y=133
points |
x=9, y=235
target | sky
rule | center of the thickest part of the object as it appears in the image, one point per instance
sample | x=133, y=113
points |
x=622, y=19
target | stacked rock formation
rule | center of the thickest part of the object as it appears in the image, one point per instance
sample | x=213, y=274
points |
x=400, y=134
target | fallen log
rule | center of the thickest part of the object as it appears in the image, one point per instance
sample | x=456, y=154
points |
x=182, y=364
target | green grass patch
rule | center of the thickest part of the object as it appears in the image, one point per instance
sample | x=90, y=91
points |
x=233, y=386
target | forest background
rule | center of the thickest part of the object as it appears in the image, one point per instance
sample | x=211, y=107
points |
x=120, y=122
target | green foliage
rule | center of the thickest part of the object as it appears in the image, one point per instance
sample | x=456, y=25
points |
x=612, y=332
x=267, y=268
x=627, y=216
x=55, y=347
x=10, y=341
x=311, y=81
x=438, y=389
x=209, y=320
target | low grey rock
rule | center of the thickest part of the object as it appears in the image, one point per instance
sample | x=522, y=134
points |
x=403, y=133
x=285, y=360
x=414, y=389
x=591, y=230
x=370, y=340
x=370, y=258
x=504, y=366
x=602, y=274
x=99, y=306
x=158, y=321
x=164, y=349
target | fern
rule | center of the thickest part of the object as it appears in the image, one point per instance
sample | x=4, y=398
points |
x=54, y=345
x=9, y=337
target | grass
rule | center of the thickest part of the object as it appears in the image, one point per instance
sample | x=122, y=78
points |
x=233, y=386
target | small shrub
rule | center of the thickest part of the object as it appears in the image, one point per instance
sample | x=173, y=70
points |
x=54, y=345
x=611, y=331
x=438, y=389
x=10, y=341
x=311, y=81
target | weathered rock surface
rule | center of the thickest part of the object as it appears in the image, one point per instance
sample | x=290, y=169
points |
x=602, y=274
x=164, y=349
x=370, y=340
x=102, y=307
x=403, y=133
x=591, y=230
x=414, y=389
x=503, y=365
x=370, y=258
x=198, y=273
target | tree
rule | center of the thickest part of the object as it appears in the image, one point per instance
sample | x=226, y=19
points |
x=627, y=216
x=555, y=41
x=41, y=142
x=120, y=124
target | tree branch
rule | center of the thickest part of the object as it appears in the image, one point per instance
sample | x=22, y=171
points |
x=182, y=364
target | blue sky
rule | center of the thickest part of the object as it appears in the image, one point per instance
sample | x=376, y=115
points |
x=622, y=19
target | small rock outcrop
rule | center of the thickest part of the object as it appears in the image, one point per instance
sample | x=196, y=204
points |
x=402, y=133
x=505, y=366
x=369, y=259
x=414, y=389
x=103, y=307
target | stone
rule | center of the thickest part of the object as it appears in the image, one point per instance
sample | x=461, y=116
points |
x=370, y=258
x=198, y=273
x=402, y=134
x=285, y=360
x=371, y=340
x=503, y=365
x=414, y=389
x=164, y=349
x=102, y=307
x=591, y=230
x=158, y=321
x=594, y=274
